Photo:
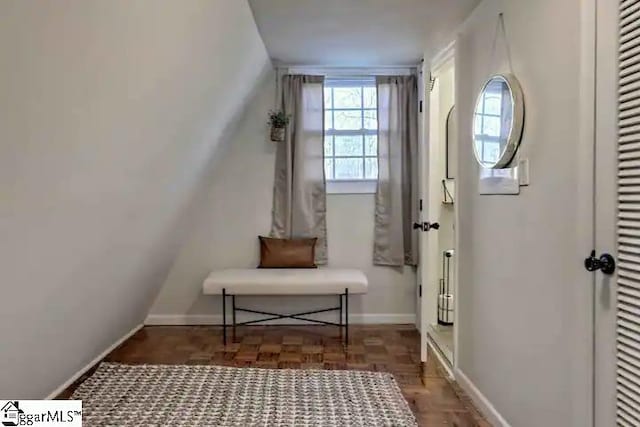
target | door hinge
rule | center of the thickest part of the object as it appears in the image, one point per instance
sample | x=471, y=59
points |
x=421, y=106
x=419, y=291
x=432, y=82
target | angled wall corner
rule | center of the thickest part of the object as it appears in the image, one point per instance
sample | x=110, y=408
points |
x=112, y=113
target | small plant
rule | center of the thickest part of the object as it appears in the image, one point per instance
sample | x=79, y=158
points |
x=278, y=119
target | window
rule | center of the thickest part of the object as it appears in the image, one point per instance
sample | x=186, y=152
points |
x=351, y=130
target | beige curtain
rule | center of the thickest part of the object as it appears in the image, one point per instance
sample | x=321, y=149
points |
x=299, y=196
x=396, y=243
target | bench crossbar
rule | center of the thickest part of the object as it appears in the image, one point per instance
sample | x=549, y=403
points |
x=275, y=316
x=297, y=316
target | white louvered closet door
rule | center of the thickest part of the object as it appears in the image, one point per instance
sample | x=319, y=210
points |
x=628, y=235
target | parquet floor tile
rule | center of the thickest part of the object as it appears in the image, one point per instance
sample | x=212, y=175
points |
x=434, y=399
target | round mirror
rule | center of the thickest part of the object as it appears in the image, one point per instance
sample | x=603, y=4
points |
x=497, y=121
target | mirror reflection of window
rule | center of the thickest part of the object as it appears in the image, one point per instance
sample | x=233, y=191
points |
x=492, y=122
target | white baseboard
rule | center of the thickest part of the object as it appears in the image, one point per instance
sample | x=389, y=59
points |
x=216, y=319
x=94, y=362
x=441, y=358
x=480, y=400
x=439, y=345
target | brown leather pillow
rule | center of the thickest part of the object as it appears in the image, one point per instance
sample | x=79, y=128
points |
x=287, y=253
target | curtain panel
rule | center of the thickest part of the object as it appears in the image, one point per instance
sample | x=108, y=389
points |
x=299, y=193
x=396, y=200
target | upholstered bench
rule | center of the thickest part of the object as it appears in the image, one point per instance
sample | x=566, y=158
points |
x=286, y=281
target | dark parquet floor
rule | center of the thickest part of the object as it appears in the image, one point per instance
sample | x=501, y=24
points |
x=435, y=400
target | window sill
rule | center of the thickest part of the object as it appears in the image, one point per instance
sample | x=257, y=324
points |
x=352, y=187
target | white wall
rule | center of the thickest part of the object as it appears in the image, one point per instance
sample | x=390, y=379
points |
x=111, y=112
x=237, y=208
x=524, y=308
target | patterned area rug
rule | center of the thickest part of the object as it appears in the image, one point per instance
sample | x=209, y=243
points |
x=204, y=395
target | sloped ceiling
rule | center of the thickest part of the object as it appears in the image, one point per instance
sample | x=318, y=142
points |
x=111, y=115
x=356, y=32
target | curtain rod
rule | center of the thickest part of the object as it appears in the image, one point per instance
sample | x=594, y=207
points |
x=285, y=65
x=331, y=67
x=382, y=70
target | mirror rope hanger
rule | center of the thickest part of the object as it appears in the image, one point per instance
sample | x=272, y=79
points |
x=500, y=28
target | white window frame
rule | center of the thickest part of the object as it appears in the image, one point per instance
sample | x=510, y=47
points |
x=360, y=186
x=351, y=186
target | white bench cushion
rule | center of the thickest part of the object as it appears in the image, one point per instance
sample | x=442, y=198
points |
x=285, y=281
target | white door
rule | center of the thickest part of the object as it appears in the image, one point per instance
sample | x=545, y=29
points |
x=422, y=273
x=429, y=215
x=427, y=271
x=431, y=172
x=617, y=214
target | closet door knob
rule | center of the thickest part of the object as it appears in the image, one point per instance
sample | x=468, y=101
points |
x=426, y=226
x=606, y=263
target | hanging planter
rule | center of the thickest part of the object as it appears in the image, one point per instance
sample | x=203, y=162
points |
x=278, y=122
x=277, y=134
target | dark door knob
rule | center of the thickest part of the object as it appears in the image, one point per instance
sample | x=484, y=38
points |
x=606, y=263
x=426, y=226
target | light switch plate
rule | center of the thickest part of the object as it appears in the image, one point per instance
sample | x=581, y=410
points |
x=523, y=172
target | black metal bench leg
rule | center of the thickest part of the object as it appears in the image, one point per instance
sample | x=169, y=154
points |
x=340, y=322
x=224, y=316
x=233, y=304
x=346, y=305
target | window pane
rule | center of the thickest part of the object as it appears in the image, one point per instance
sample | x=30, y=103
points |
x=348, y=120
x=369, y=95
x=371, y=168
x=492, y=105
x=328, y=146
x=491, y=152
x=328, y=169
x=477, y=124
x=348, y=145
x=370, y=145
x=328, y=120
x=327, y=98
x=347, y=97
x=348, y=168
x=491, y=126
x=371, y=119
